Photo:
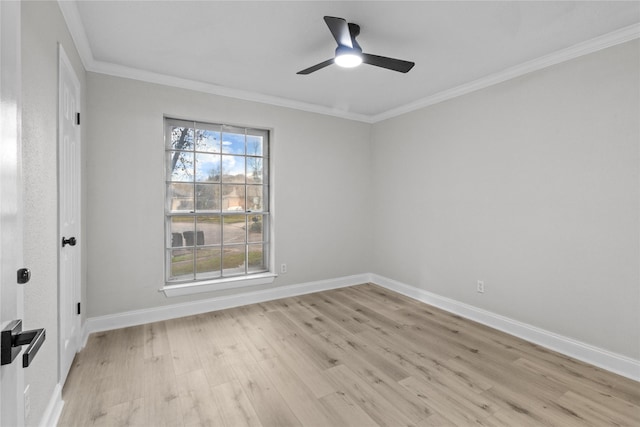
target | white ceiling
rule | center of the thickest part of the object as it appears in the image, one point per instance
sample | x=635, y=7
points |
x=253, y=49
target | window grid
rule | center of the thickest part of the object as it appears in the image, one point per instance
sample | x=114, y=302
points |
x=217, y=225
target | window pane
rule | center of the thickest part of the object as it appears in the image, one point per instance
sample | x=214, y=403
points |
x=207, y=167
x=179, y=135
x=232, y=140
x=254, y=144
x=256, y=228
x=208, y=138
x=233, y=260
x=257, y=258
x=234, y=229
x=233, y=198
x=179, y=166
x=218, y=173
x=233, y=169
x=181, y=226
x=208, y=262
x=208, y=197
x=209, y=230
x=255, y=174
x=179, y=197
x=181, y=264
x=255, y=198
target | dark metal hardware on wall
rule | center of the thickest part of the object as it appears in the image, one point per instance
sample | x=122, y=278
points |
x=78, y=119
x=24, y=275
x=71, y=241
x=13, y=338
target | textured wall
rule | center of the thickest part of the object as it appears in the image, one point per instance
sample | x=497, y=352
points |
x=321, y=175
x=531, y=185
x=42, y=29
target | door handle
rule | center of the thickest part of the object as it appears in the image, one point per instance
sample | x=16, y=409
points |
x=13, y=338
x=24, y=275
x=71, y=241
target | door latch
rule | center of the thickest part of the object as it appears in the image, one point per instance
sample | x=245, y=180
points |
x=13, y=338
x=71, y=241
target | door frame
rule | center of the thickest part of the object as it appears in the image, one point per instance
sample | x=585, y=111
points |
x=74, y=296
x=11, y=375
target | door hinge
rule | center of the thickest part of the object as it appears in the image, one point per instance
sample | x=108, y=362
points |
x=78, y=119
x=78, y=310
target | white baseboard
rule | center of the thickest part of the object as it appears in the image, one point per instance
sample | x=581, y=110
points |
x=599, y=357
x=173, y=311
x=604, y=359
x=54, y=408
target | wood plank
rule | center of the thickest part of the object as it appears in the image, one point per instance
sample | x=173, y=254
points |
x=381, y=410
x=305, y=368
x=156, y=342
x=354, y=350
x=181, y=334
x=249, y=329
x=271, y=408
x=234, y=406
x=161, y=392
x=195, y=397
x=326, y=307
x=299, y=398
x=321, y=357
x=345, y=412
x=376, y=372
x=447, y=405
x=359, y=356
x=592, y=413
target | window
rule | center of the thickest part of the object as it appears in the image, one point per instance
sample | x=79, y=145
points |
x=217, y=202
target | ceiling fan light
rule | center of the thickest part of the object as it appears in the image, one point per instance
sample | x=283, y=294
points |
x=348, y=60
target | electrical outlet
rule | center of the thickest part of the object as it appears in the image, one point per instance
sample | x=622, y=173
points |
x=480, y=287
x=283, y=268
x=27, y=402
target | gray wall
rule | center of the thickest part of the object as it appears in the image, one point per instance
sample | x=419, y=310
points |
x=321, y=174
x=531, y=185
x=43, y=27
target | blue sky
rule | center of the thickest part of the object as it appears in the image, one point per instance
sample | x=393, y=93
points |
x=215, y=142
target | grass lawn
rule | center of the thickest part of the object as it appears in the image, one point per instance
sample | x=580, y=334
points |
x=209, y=260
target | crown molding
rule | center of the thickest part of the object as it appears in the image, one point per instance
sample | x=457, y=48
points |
x=71, y=16
x=166, y=80
x=584, y=48
x=76, y=28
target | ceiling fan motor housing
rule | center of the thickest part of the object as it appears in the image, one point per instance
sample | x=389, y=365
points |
x=348, y=57
x=349, y=53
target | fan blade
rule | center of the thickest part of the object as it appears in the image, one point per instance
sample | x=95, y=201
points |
x=388, y=63
x=339, y=29
x=354, y=31
x=316, y=67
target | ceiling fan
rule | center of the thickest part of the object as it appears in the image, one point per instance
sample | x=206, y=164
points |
x=349, y=53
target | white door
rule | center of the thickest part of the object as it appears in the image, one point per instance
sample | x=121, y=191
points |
x=69, y=212
x=11, y=375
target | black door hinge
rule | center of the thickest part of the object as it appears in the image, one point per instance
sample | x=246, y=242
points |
x=78, y=119
x=78, y=309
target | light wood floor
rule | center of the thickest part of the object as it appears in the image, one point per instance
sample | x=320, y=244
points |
x=359, y=356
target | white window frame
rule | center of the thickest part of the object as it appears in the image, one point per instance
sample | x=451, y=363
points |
x=197, y=285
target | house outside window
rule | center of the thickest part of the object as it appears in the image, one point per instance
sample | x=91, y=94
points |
x=217, y=213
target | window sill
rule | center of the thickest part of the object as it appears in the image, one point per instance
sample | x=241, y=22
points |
x=218, y=284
